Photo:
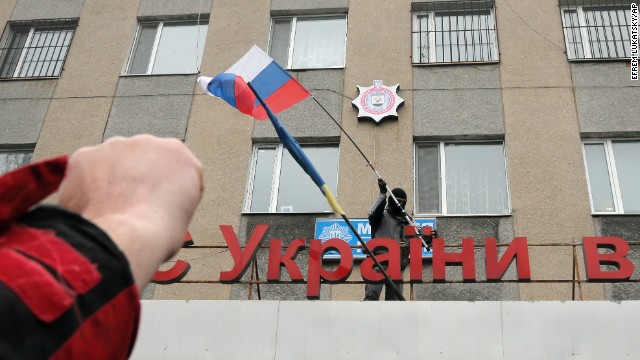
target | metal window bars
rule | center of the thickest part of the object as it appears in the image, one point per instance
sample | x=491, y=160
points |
x=596, y=29
x=36, y=48
x=11, y=159
x=454, y=32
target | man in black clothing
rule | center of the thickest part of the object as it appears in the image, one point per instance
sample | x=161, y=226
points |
x=388, y=221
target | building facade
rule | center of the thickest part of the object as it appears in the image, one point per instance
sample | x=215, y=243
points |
x=520, y=119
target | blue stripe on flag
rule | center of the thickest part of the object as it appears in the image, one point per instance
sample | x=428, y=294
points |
x=223, y=86
x=269, y=80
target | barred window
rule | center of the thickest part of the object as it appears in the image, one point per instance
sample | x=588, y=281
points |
x=596, y=29
x=453, y=32
x=13, y=159
x=36, y=48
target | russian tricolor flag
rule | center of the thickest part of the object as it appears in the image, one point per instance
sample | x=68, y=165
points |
x=258, y=74
x=273, y=83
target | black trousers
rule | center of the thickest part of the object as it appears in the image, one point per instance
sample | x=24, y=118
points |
x=372, y=291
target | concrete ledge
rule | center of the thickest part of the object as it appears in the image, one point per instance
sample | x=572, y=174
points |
x=379, y=330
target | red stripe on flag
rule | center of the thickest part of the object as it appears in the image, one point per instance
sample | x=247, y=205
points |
x=288, y=95
x=245, y=99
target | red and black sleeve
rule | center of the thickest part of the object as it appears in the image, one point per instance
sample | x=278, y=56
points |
x=66, y=290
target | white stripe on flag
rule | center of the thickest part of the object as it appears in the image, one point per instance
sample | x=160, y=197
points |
x=204, y=83
x=251, y=64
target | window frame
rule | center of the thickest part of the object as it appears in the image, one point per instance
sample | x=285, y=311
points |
x=156, y=42
x=442, y=190
x=431, y=18
x=275, y=177
x=613, y=175
x=584, y=32
x=18, y=150
x=292, y=35
x=44, y=25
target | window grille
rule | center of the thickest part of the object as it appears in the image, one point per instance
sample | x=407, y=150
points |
x=596, y=29
x=454, y=32
x=13, y=159
x=36, y=48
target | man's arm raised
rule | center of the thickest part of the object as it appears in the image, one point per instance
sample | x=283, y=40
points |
x=142, y=191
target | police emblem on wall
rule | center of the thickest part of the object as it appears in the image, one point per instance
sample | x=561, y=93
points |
x=378, y=101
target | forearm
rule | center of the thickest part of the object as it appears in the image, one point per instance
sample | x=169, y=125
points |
x=144, y=201
x=377, y=209
x=140, y=242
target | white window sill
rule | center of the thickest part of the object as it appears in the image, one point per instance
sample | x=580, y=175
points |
x=457, y=63
x=459, y=215
x=142, y=75
x=599, y=59
x=288, y=213
x=615, y=214
x=317, y=68
x=31, y=78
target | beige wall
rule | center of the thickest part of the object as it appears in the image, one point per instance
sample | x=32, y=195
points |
x=218, y=134
x=6, y=8
x=84, y=93
x=388, y=145
x=544, y=157
x=546, y=171
x=220, y=137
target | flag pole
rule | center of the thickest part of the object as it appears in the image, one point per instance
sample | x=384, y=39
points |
x=332, y=201
x=368, y=251
x=404, y=213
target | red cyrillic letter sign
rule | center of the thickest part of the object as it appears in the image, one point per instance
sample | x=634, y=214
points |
x=441, y=258
x=593, y=259
x=241, y=259
x=517, y=250
x=316, y=272
x=415, y=253
x=392, y=257
x=178, y=271
x=276, y=260
x=415, y=257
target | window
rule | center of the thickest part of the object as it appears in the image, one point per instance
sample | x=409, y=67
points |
x=36, y=48
x=461, y=179
x=308, y=42
x=454, y=35
x=597, y=32
x=13, y=159
x=168, y=47
x=613, y=175
x=279, y=185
